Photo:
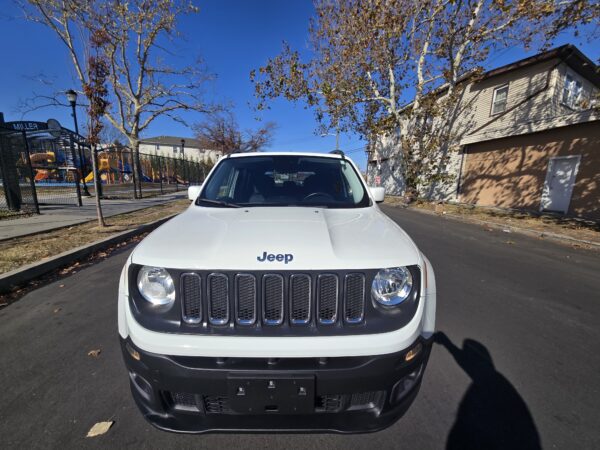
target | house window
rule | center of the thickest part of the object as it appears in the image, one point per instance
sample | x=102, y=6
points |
x=572, y=92
x=499, y=100
x=175, y=149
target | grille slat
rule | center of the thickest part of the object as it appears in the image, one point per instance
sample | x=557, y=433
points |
x=327, y=298
x=354, y=303
x=245, y=291
x=191, y=290
x=218, y=299
x=300, y=297
x=273, y=299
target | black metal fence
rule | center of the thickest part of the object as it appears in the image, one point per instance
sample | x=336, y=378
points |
x=38, y=168
x=156, y=174
x=45, y=164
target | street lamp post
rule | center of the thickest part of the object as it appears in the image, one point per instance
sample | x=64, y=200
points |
x=72, y=97
x=184, y=162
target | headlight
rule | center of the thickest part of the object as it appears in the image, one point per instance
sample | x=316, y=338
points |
x=156, y=285
x=392, y=286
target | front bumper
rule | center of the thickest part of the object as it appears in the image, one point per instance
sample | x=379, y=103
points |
x=342, y=394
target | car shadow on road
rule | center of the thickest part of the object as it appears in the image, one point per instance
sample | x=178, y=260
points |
x=491, y=414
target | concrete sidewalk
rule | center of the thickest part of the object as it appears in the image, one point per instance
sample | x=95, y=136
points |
x=58, y=216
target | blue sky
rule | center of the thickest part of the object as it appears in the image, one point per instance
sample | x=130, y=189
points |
x=232, y=36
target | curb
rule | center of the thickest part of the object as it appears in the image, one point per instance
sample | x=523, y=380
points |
x=526, y=231
x=14, y=278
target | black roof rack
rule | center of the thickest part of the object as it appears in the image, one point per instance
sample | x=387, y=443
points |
x=338, y=152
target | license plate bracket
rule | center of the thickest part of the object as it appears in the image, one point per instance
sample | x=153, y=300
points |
x=271, y=394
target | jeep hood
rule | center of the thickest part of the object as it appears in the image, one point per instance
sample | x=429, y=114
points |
x=232, y=238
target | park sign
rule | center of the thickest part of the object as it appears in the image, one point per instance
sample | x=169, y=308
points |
x=28, y=125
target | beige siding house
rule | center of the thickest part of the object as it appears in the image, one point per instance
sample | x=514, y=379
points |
x=171, y=146
x=528, y=135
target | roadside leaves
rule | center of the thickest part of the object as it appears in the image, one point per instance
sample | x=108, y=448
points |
x=99, y=428
x=95, y=353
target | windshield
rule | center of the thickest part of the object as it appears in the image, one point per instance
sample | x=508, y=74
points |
x=283, y=180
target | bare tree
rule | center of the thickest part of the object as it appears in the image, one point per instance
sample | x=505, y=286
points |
x=96, y=93
x=221, y=131
x=141, y=85
x=396, y=68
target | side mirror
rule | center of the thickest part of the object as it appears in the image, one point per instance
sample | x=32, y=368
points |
x=194, y=192
x=378, y=193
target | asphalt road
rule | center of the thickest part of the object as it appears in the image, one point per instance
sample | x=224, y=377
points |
x=519, y=368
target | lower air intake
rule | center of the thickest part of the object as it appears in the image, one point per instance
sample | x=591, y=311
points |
x=214, y=404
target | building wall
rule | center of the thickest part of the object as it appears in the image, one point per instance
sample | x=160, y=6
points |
x=533, y=105
x=510, y=172
x=473, y=115
x=530, y=91
x=203, y=155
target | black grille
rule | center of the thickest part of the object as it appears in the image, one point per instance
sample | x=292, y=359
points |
x=245, y=291
x=191, y=290
x=300, y=299
x=218, y=299
x=329, y=403
x=272, y=299
x=251, y=300
x=366, y=400
x=327, y=298
x=325, y=403
x=354, y=304
x=216, y=405
x=184, y=401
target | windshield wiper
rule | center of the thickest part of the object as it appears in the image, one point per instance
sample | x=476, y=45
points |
x=218, y=202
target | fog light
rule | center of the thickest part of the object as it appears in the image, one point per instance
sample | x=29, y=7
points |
x=142, y=385
x=405, y=385
x=134, y=354
x=413, y=352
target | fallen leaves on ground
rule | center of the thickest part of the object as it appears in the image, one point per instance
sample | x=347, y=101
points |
x=57, y=310
x=20, y=251
x=100, y=428
x=95, y=353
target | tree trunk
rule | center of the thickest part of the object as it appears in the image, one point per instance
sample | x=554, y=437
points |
x=97, y=187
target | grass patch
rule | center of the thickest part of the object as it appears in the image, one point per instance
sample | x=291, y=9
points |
x=588, y=230
x=18, y=252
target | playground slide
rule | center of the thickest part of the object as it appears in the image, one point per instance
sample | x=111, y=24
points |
x=41, y=175
x=90, y=177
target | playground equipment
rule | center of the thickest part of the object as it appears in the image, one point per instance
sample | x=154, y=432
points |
x=113, y=167
x=40, y=161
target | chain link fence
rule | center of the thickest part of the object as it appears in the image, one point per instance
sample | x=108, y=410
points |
x=38, y=168
x=157, y=174
x=40, y=165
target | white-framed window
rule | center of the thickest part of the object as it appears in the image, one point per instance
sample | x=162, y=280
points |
x=571, y=95
x=175, y=149
x=499, y=99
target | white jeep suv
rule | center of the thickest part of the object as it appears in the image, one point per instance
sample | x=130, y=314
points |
x=283, y=299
